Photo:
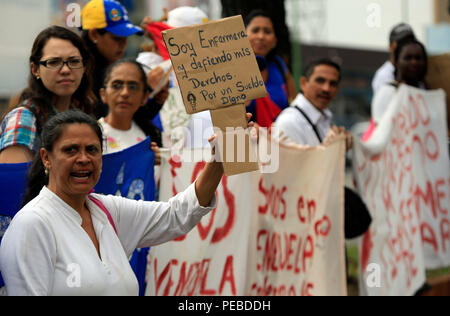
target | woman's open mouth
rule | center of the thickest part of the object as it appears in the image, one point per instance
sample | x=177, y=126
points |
x=81, y=176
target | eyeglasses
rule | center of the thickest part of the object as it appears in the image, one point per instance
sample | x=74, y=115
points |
x=132, y=87
x=58, y=63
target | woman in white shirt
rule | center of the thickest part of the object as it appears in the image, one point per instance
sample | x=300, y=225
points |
x=62, y=242
x=125, y=91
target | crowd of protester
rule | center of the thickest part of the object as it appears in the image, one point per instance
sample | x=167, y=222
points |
x=82, y=92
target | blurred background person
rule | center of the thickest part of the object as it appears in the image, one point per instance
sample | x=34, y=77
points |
x=125, y=91
x=277, y=78
x=411, y=65
x=308, y=120
x=106, y=28
x=385, y=73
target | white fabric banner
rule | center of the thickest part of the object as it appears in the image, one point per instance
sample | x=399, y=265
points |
x=403, y=174
x=271, y=234
x=174, y=117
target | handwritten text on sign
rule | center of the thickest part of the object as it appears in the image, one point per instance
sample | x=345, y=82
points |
x=271, y=234
x=215, y=64
x=199, y=263
x=406, y=187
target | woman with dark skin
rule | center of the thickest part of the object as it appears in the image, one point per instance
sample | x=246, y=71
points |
x=411, y=66
x=411, y=63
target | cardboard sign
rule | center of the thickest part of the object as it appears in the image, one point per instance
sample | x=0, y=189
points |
x=215, y=64
x=437, y=77
x=236, y=150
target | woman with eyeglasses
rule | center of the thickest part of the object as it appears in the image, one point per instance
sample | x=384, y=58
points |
x=60, y=79
x=106, y=29
x=125, y=91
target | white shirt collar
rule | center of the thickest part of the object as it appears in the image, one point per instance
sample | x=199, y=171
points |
x=313, y=113
x=67, y=210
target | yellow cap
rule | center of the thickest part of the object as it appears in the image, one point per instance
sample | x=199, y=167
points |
x=93, y=15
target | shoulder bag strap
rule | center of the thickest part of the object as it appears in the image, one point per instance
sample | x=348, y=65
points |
x=105, y=210
x=310, y=123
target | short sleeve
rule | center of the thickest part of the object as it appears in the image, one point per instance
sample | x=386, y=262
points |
x=18, y=128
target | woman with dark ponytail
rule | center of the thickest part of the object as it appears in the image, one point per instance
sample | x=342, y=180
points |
x=67, y=241
x=38, y=175
x=37, y=179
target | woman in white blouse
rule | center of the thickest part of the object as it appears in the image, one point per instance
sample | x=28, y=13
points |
x=62, y=243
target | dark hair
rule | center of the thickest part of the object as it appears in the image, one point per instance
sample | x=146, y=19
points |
x=141, y=117
x=138, y=65
x=100, y=61
x=401, y=31
x=100, y=66
x=50, y=134
x=41, y=97
x=257, y=13
x=93, y=48
x=261, y=13
x=311, y=66
x=398, y=50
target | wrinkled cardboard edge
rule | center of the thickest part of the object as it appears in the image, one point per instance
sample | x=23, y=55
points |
x=234, y=117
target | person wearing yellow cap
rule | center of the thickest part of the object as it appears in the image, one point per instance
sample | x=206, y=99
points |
x=105, y=30
x=107, y=26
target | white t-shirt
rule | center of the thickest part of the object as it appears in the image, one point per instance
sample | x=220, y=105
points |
x=45, y=251
x=384, y=75
x=293, y=124
x=118, y=140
